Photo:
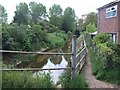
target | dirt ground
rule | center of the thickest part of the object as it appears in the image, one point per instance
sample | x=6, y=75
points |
x=92, y=81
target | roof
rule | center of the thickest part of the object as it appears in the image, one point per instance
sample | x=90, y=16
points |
x=111, y=3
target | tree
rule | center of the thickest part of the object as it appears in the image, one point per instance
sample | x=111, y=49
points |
x=91, y=18
x=21, y=14
x=68, y=22
x=81, y=24
x=55, y=13
x=3, y=15
x=37, y=11
x=90, y=28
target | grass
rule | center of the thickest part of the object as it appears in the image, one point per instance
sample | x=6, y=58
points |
x=78, y=82
x=0, y=73
x=96, y=64
x=18, y=79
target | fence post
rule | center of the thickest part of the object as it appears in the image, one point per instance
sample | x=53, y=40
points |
x=74, y=55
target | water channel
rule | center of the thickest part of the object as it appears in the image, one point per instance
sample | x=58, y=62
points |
x=51, y=61
x=54, y=61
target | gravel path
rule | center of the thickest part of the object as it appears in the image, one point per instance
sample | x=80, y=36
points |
x=92, y=81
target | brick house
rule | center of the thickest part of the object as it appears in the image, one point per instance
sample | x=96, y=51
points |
x=109, y=20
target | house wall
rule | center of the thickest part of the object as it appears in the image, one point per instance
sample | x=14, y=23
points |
x=119, y=22
x=109, y=25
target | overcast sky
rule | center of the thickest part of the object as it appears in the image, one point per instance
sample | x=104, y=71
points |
x=80, y=6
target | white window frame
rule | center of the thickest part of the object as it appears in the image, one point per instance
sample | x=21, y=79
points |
x=110, y=11
x=113, y=37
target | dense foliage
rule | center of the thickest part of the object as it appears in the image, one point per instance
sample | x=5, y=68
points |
x=26, y=80
x=3, y=15
x=23, y=37
x=55, y=15
x=101, y=38
x=90, y=18
x=105, y=58
x=91, y=28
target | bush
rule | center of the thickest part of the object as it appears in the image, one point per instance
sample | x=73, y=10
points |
x=105, y=70
x=101, y=38
x=55, y=40
x=26, y=80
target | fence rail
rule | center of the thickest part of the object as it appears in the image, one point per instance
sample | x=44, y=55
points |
x=39, y=53
x=35, y=69
x=78, y=58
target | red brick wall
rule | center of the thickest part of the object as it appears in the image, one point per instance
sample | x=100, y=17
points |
x=109, y=25
x=119, y=22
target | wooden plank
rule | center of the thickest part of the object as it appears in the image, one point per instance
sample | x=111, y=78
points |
x=80, y=61
x=35, y=69
x=81, y=51
x=40, y=53
x=74, y=55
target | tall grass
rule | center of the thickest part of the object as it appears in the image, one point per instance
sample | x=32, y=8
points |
x=78, y=82
x=18, y=79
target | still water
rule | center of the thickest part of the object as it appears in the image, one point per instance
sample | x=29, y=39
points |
x=51, y=61
x=55, y=73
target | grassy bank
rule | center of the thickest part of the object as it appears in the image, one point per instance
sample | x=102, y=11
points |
x=56, y=39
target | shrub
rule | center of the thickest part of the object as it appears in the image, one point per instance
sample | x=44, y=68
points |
x=55, y=41
x=101, y=38
x=18, y=79
x=105, y=68
x=90, y=28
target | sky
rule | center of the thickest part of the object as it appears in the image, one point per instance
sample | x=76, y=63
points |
x=81, y=7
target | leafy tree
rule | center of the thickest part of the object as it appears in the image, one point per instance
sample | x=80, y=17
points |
x=3, y=15
x=81, y=24
x=90, y=28
x=6, y=38
x=21, y=14
x=37, y=11
x=55, y=10
x=37, y=38
x=55, y=13
x=68, y=22
x=90, y=18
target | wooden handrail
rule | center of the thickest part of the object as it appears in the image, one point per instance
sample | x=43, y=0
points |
x=80, y=61
x=34, y=69
x=40, y=53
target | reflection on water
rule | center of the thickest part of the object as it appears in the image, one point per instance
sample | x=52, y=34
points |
x=54, y=61
x=50, y=61
x=55, y=73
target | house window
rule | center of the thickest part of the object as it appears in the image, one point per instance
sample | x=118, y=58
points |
x=111, y=11
x=113, y=37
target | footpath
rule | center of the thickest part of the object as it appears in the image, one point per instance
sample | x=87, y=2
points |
x=92, y=81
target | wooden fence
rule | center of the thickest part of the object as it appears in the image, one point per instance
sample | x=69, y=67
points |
x=77, y=59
